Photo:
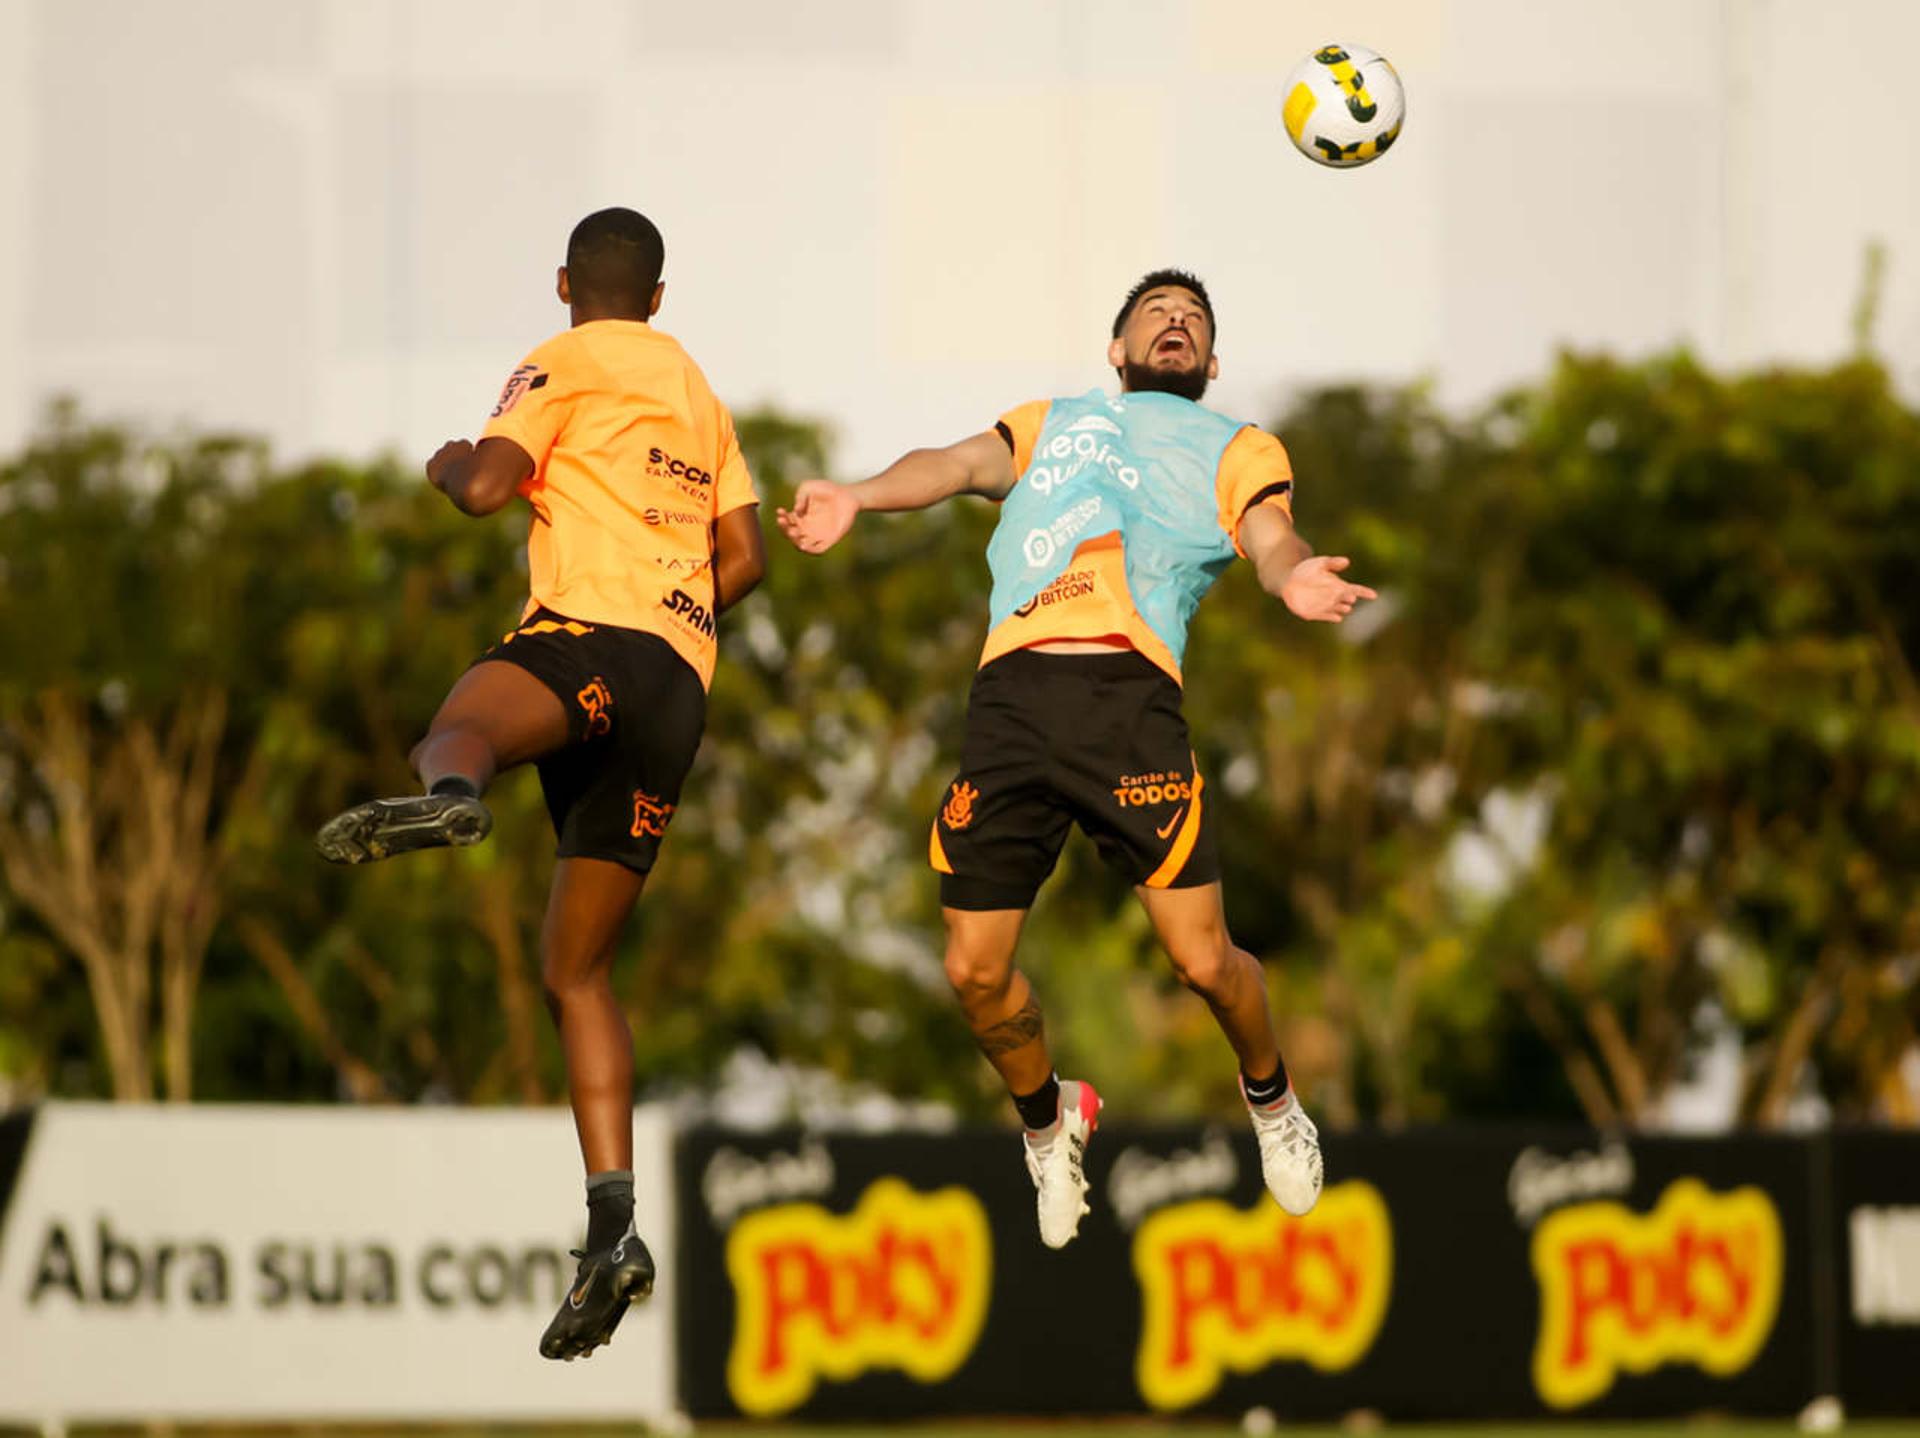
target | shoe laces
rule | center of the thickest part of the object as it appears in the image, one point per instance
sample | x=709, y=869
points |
x=1076, y=1159
x=1296, y=1141
x=1293, y=1134
x=1038, y=1156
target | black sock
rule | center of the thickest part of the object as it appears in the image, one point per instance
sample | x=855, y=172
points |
x=455, y=784
x=1041, y=1107
x=609, y=1207
x=1261, y=1092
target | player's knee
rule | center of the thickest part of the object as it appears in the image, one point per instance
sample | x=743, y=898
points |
x=564, y=976
x=1206, y=962
x=975, y=973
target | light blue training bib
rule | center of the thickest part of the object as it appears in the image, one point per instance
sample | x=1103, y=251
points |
x=1144, y=465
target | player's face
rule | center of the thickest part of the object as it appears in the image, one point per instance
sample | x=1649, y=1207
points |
x=1166, y=343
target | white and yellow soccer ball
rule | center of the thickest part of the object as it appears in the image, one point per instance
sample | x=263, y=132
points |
x=1344, y=106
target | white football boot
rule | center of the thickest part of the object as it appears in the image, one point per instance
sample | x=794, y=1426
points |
x=1289, y=1152
x=1056, y=1161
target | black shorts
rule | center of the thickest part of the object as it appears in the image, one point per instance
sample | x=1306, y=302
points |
x=635, y=710
x=1058, y=739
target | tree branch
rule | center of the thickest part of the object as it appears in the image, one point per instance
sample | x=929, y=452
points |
x=265, y=945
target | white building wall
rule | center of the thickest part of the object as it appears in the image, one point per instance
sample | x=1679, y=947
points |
x=336, y=221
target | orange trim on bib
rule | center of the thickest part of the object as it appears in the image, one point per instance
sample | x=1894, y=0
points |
x=1183, y=842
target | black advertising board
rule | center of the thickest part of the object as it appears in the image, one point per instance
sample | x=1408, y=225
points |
x=1689, y=1287
x=1480, y=1274
x=15, y=1128
x=1875, y=1211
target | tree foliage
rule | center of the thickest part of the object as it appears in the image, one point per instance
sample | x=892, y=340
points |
x=1623, y=765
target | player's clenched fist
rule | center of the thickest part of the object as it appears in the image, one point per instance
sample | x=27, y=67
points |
x=822, y=512
x=444, y=459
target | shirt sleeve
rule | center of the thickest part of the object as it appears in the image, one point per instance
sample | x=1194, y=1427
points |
x=733, y=485
x=530, y=411
x=1020, y=428
x=1254, y=470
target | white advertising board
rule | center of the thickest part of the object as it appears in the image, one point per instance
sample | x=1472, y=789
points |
x=226, y=1262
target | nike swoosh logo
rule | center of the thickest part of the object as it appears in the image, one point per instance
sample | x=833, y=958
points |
x=579, y=1295
x=1162, y=833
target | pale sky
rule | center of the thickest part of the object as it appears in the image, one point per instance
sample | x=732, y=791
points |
x=335, y=222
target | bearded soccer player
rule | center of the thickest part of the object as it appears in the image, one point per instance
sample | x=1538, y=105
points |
x=643, y=529
x=1119, y=513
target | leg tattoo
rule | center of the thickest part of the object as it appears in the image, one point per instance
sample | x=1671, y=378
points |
x=1013, y=1033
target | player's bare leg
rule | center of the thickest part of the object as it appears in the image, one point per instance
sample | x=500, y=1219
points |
x=996, y=997
x=1007, y=1024
x=1192, y=925
x=496, y=716
x=588, y=908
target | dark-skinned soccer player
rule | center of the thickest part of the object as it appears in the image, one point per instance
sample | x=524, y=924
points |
x=643, y=530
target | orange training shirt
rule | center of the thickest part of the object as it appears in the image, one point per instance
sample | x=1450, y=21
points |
x=1090, y=601
x=634, y=461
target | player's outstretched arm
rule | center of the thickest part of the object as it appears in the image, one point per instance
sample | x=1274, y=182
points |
x=739, y=556
x=1308, y=584
x=479, y=478
x=824, y=511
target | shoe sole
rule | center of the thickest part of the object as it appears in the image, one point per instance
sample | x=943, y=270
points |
x=382, y=828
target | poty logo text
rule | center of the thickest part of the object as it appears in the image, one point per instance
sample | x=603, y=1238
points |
x=1226, y=1290
x=1695, y=1281
x=902, y=1282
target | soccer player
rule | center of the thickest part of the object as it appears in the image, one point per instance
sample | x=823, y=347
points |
x=1119, y=513
x=643, y=529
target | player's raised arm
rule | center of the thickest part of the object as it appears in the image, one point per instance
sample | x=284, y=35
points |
x=479, y=478
x=1308, y=584
x=824, y=511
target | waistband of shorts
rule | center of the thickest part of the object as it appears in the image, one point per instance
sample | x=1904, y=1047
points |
x=1032, y=664
x=642, y=637
x=553, y=616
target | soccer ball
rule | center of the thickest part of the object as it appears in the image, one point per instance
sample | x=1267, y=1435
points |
x=1344, y=106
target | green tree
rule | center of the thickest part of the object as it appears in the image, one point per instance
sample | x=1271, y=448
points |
x=1624, y=756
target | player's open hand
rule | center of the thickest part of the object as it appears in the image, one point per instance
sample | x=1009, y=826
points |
x=444, y=459
x=1315, y=589
x=822, y=512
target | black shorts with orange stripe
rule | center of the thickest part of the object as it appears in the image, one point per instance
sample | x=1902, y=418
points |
x=1055, y=740
x=635, y=712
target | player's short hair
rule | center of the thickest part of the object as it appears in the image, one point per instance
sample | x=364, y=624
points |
x=1153, y=282
x=614, y=257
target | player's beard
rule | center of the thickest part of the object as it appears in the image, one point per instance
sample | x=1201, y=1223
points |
x=1187, y=383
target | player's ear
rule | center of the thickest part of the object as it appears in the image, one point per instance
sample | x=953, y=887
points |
x=1213, y=366
x=1117, y=352
x=563, y=287
x=659, y=292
